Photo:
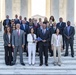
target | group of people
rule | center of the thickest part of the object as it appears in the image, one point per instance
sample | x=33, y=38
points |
x=34, y=36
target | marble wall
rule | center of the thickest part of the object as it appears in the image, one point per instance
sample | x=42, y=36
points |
x=70, y=11
x=15, y=7
x=8, y=7
x=55, y=9
x=58, y=8
x=24, y=8
x=62, y=9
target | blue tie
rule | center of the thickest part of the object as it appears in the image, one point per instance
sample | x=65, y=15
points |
x=68, y=28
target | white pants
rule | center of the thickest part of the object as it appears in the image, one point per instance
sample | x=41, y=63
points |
x=59, y=54
x=31, y=53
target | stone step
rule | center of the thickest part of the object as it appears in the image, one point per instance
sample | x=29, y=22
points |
x=38, y=72
x=2, y=53
x=37, y=67
x=37, y=57
x=71, y=62
x=2, y=48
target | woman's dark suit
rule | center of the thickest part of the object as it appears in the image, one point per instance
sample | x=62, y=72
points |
x=8, y=50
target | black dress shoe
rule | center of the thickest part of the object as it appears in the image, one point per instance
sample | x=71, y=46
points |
x=7, y=64
x=51, y=55
x=59, y=64
x=40, y=64
x=46, y=64
x=23, y=64
x=72, y=55
x=12, y=64
x=65, y=55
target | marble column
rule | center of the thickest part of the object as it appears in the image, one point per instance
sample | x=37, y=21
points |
x=24, y=8
x=8, y=8
x=16, y=7
x=70, y=11
x=48, y=5
x=0, y=9
x=62, y=9
x=29, y=8
x=55, y=9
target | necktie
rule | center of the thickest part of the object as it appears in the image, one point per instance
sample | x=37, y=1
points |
x=68, y=30
x=60, y=23
x=18, y=33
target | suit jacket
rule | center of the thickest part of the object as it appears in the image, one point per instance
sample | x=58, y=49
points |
x=24, y=29
x=52, y=31
x=20, y=22
x=61, y=27
x=18, y=40
x=54, y=40
x=30, y=39
x=6, y=39
x=35, y=28
x=27, y=23
x=45, y=36
x=9, y=23
x=16, y=21
x=71, y=33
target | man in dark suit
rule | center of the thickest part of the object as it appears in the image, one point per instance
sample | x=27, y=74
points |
x=52, y=31
x=69, y=32
x=20, y=20
x=61, y=25
x=7, y=22
x=24, y=27
x=26, y=22
x=16, y=19
x=43, y=45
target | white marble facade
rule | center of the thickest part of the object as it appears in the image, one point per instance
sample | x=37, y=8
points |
x=19, y=7
x=58, y=8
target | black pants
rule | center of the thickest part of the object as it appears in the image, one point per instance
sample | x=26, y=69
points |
x=43, y=50
x=37, y=47
x=69, y=42
x=8, y=55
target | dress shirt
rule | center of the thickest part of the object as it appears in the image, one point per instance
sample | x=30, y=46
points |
x=57, y=38
x=9, y=37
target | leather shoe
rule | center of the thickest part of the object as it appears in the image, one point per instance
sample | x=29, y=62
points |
x=23, y=64
x=46, y=64
x=12, y=64
x=72, y=55
x=40, y=64
x=65, y=55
